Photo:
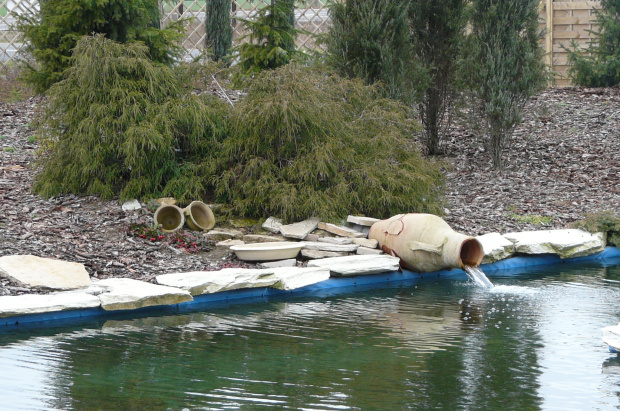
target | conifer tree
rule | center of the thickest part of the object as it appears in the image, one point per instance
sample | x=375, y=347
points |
x=218, y=29
x=599, y=64
x=505, y=66
x=53, y=31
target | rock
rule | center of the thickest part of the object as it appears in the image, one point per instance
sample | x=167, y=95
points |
x=317, y=254
x=229, y=243
x=297, y=277
x=361, y=224
x=366, y=242
x=243, y=222
x=291, y=262
x=131, y=205
x=46, y=303
x=363, y=221
x=335, y=240
x=565, y=243
x=368, y=251
x=340, y=230
x=312, y=237
x=358, y=264
x=166, y=200
x=272, y=225
x=36, y=272
x=223, y=234
x=127, y=294
x=299, y=230
x=207, y=282
x=496, y=247
x=256, y=238
x=346, y=248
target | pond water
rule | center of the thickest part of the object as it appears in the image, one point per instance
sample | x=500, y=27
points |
x=532, y=342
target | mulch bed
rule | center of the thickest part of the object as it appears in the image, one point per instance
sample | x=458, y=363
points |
x=563, y=163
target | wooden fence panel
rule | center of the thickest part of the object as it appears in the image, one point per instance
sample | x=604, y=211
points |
x=565, y=22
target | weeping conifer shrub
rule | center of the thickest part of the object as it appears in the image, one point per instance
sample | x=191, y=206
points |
x=598, y=65
x=53, y=31
x=121, y=125
x=218, y=29
x=304, y=143
x=369, y=39
x=504, y=66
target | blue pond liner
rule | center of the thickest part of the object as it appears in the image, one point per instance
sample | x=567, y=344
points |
x=332, y=286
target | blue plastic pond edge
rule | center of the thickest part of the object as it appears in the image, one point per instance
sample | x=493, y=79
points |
x=332, y=286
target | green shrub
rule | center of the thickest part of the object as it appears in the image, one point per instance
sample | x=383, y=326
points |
x=119, y=124
x=270, y=42
x=218, y=29
x=53, y=32
x=505, y=66
x=604, y=221
x=599, y=64
x=369, y=39
x=305, y=144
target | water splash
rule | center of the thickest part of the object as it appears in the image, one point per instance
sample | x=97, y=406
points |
x=478, y=277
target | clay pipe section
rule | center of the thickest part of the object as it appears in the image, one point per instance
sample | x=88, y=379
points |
x=425, y=242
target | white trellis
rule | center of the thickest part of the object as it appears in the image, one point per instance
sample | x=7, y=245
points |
x=312, y=17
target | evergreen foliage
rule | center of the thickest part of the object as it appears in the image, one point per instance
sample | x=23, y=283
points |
x=369, y=39
x=218, y=29
x=270, y=41
x=119, y=124
x=599, y=64
x=53, y=32
x=505, y=66
x=437, y=33
x=305, y=144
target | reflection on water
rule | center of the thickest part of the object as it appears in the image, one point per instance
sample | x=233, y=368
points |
x=532, y=342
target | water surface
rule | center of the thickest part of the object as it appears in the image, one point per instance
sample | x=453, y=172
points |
x=532, y=342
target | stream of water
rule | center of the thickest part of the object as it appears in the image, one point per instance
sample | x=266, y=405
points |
x=478, y=277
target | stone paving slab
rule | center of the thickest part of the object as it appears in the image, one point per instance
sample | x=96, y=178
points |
x=15, y=305
x=568, y=243
x=358, y=264
x=128, y=294
x=46, y=273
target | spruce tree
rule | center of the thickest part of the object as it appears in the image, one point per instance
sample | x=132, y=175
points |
x=505, y=66
x=53, y=31
x=599, y=64
x=218, y=29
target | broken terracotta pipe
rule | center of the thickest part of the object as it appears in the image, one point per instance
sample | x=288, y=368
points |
x=425, y=243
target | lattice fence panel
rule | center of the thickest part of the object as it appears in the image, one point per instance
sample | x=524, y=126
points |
x=11, y=40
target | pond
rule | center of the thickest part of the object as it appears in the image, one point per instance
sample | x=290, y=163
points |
x=532, y=342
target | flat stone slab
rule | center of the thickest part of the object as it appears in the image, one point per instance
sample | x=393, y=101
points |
x=297, y=277
x=222, y=234
x=335, y=240
x=207, y=282
x=496, y=247
x=15, y=305
x=317, y=254
x=368, y=251
x=299, y=230
x=365, y=221
x=127, y=294
x=341, y=231
x=37, y=272
x=229, y=243
x=272, y=225
x=565, y=243
x=366, y=242
x=131, y=205
x=291, y=262
x=344, y=248
x=358, y=264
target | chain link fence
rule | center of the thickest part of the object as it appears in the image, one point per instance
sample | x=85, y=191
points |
x=312, y=17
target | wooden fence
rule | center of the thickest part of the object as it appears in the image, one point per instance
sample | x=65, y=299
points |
x=564, y=21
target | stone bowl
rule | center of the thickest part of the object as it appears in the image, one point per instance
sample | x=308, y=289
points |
x=271, y=251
